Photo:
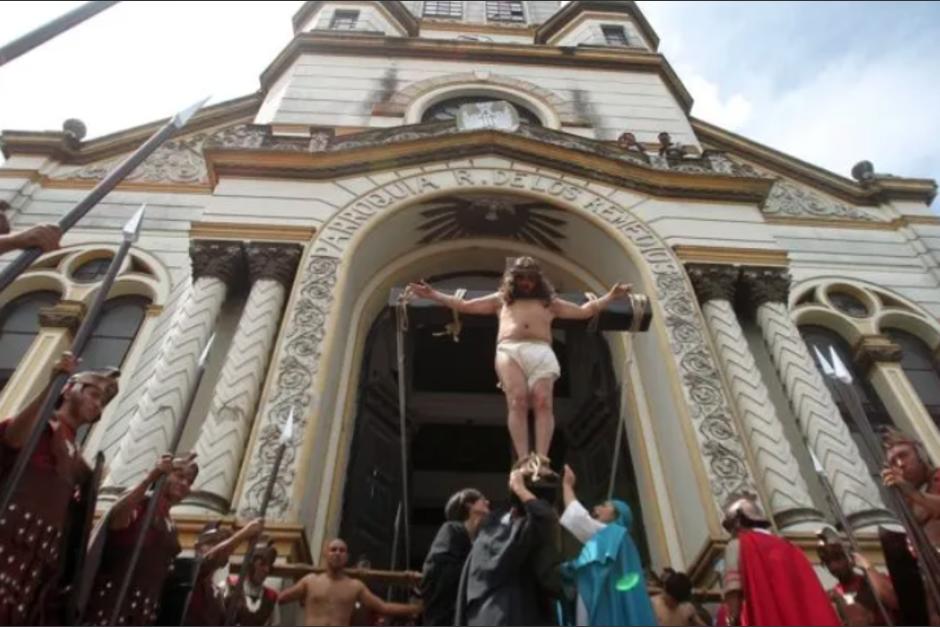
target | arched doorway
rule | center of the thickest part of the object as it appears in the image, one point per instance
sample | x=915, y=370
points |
x=457, y=433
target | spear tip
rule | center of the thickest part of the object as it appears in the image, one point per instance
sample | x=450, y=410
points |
x=132, y=227
x=288, y=430
x=180, y=119
x=205, y=352
x=826, y=366
x=840, y=371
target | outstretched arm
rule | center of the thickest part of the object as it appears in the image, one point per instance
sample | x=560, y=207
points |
x=569, y=311
x=567, y=486
x=45, y=237
x=485, y=305
x=295, y=593
x=377, y=605
x=222, y=551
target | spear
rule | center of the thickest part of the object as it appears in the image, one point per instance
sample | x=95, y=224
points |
x=99, y=191
x=927, y=555
x=158, y=490
x=44, y=33
x=129, y=233
x=238, y=593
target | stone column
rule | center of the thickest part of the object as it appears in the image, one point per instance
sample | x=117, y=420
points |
x=216, y=265
x=222, y=440
x=819, y=419
x=787, y=494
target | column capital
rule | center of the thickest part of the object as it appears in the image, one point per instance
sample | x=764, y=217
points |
x=873, y=349
x=223, y=260
x=277, y=262
x=765, y=285
x=66, y=314
x=713, y=281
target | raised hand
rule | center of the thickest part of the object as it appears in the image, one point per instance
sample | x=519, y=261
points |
x=894, y=478
x=569, y=478
x=254, y=528
x=164, y=466
x=619, y=290
x=66, y=364
x=421, y=290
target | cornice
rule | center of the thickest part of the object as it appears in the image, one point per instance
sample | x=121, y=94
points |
x=879, y=191
x=224, y=162
x=64, y=149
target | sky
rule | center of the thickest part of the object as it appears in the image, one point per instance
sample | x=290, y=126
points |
x=828, y=82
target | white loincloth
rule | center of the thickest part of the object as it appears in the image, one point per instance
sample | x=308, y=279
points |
x=536, y=359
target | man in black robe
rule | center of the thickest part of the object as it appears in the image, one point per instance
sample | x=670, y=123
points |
x=512, y=574
x=465, y=512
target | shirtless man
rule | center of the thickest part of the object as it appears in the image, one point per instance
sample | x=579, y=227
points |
x=330, y=598
x=526, y=304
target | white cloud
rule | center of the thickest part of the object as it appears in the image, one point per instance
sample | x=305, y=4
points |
x=731, y=112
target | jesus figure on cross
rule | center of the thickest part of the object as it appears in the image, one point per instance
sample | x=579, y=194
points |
x=526, y=366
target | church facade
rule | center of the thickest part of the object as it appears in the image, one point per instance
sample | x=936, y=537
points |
x=396, y=141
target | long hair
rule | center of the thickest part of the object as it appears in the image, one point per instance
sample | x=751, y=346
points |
x=544, y=290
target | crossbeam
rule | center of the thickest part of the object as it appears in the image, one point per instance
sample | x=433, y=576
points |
x=618, y=316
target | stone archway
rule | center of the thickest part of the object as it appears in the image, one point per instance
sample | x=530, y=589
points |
x=341, y=257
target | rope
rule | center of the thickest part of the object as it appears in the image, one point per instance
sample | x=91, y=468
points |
x=401, y=315
x=595, y=319
x=454, y=328
x=621, y=423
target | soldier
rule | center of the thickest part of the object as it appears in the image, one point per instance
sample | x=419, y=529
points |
x=117, y=535
x=910, y=470
x=768, y=581
x=259, y=604
x=48, y=501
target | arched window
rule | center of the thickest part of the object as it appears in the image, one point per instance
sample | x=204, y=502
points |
x=112, y=338
x=19, y=325
x=822, y=338
x=447, y=110
x=918, y=364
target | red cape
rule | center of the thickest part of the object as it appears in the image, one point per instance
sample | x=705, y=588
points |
x=780, y=586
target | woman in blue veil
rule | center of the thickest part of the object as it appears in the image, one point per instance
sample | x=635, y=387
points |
x=611, y=587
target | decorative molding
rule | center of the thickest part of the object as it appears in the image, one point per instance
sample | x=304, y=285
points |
x=731, y=256
x=792, y=200
x=245, y=231
x=298, y=362
x=277, y=262
x=153, y=311
x=873, y=349
x=66, y=314
x=713, y=282
x=447, y=24
x=223, y=260
x=404, y=146
x=765, y=285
